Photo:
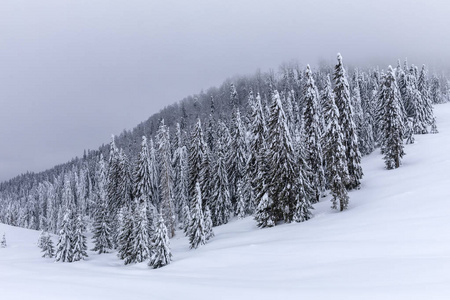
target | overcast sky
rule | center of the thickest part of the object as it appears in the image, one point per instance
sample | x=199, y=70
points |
x=74, y=72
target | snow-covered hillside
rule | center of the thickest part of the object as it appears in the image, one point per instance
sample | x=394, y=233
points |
x=392, y=243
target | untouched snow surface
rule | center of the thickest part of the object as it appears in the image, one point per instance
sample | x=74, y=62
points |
x=392, y=243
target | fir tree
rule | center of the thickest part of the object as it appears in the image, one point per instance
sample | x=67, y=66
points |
x=181, y=183
x=197, y=230
x=337, y=172
x=392, y=121
x=283, y=172
x=141, y=239
x=427, y=105
x=220, y=199
x=102, y=223
x=3, y=242
x=313, y=135
x=126, y=236
x=47, y=246
x=209, y=233
x=161, y=254
x=79, y=240
x=186, y=219
x=166, y=173
x=265, y=215
x=240, y=209
x=196, y=153
x=348, y=127
x=64, y=247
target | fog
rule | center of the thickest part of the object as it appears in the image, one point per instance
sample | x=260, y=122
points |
x=74, y=72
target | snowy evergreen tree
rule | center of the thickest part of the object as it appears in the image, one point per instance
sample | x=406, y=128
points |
x=435, y=91
x=313, y=135
x=265, y=215
x=197, y=229
x=240, y=205
x=348, y=127
x=166, y=173
x=161, y=254
x=392, y=121
x=303, y=205
x=237, y=155
x=64, y=247
x=181, y=182
x=186, y=219
x=141, y=239
x=142, y=179
x=102, y=223
x=47, y=246
x=427, y=105
x=335, y=159
x=126, y=236
x=283, y=171
x=79, y=240
x=3, y=242
x=209, y=233
x=220, y=199
x=196, y=153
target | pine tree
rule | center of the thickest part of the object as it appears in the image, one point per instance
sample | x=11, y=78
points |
x=64, y=247
x=161, y=254
x=220, y=199
x=102, y=223
x=313, y=145
x=141, y=239
x=3, y=242
x=348, y=127
x=186, y=219
x=79, y=240
x=47, y=246
x=196, y=153
x=126, y=237
x=197, y=230
x=303, y=206
x=166, y=173
x=256, y=164
x=427, y=105
x=337, y=172
x=265, y=215
x=240, y=209
x=142, y=179
x=283, y=171
x=209, y=233
x=392, y=121
x=181, y=183
x=237, y=155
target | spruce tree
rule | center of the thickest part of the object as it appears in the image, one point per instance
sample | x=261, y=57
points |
x=283, y=171
x=335, y=159
x=161, y=254
x=265, y=215
x=240, y=205
x=423, y=87
x=102, y=223
x=186, y=219
x=209, y=233
x=348, y=127
x=197, y=230
x=79, y=240
x=392, y=121
x=313, y=135
x=47, y=246
x=196, y=153
x=181, y=182
x=64, y=247
x=220, y=199
x=126, y=236
x=166, y=178
x=3, y=242
x=141, y=239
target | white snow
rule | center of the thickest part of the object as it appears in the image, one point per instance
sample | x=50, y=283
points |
x=392, y=243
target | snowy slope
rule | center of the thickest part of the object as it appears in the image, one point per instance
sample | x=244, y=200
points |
x=392, y=243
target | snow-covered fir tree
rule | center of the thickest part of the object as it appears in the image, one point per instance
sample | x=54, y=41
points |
x=180, y=182
x=3, y=242
x=47, y=246
x=140, y=250
x=220, y=199
x=186, y=219
x=166, y=178
x=313, y=135
x=126, y=236
x=209, y=233
x=64, y=247
x=102, y=223
x=427, y=105
x=337, y=172
x=79, y=245
x=196, y=152
x=348, y=127
x=265, y=215
x=197, y=229
x=392, y=121
x=281, y=161
x=161, y=254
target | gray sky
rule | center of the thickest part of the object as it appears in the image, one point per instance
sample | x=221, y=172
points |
x=74, y=72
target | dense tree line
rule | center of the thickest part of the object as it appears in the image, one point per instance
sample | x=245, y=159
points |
x=265, y=146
